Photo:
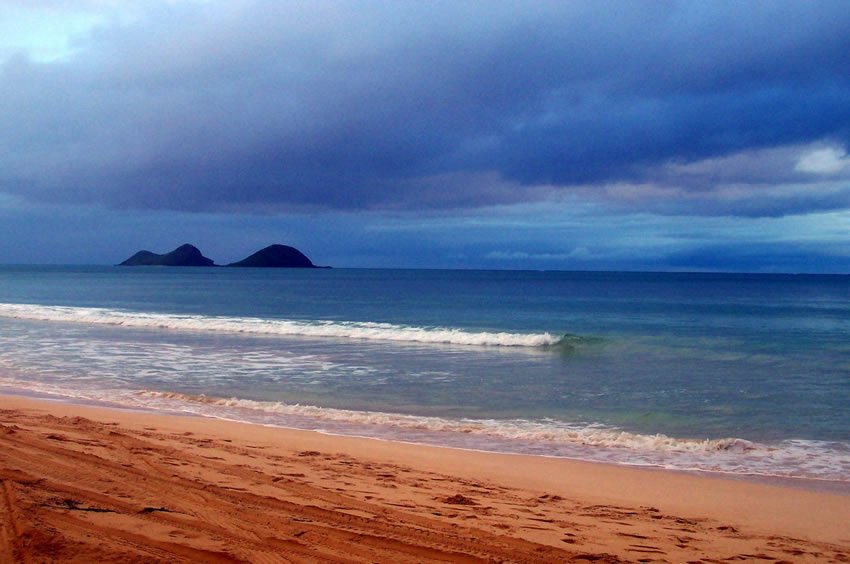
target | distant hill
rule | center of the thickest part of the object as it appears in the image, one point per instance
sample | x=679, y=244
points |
x=276, y=256
x=184, y=255
x=273, y=256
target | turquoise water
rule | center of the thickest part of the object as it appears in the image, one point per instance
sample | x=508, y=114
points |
x=748, y=374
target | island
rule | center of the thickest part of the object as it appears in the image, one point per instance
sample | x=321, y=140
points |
x=273, y=256
x=184, y=255
x=276, y=256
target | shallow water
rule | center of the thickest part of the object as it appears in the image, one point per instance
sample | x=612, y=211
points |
x=748, y=374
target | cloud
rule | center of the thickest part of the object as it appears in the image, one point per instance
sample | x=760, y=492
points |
x=580, y=253
x=264, y=107
x=829, y=160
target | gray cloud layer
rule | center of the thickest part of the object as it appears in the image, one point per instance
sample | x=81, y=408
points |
x=267, y=106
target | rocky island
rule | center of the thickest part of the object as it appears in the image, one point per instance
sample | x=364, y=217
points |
x=273, y=256
x=276, y=256
x=184, y=255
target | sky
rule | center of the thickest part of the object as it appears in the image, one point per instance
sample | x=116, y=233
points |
x=657, y=135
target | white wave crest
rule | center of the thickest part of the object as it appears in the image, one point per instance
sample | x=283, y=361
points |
x=546, y=430
x=282, y=327
x=793, y=458
x=817, y=460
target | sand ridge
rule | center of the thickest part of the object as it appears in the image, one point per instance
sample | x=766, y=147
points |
x=108, y=487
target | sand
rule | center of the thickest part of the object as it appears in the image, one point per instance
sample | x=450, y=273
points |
x=85, y=484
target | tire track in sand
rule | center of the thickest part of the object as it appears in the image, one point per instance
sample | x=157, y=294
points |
x=105, y=494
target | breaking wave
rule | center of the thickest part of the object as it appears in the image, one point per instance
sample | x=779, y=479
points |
x=808, y=459
x=824, y=461
x=283, y=327
x=548, y=430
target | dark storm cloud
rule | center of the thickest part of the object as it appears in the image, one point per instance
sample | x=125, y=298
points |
x=267, y=106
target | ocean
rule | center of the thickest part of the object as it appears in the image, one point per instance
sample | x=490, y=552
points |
x=741, y=374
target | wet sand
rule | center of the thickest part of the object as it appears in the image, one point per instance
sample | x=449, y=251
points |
x=85, y=484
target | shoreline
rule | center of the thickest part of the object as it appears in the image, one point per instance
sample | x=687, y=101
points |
x=807, y=483
x=555, y=504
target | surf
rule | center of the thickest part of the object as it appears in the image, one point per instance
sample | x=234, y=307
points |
x=363, y=330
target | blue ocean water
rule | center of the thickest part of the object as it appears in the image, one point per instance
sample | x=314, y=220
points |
x=739, y=373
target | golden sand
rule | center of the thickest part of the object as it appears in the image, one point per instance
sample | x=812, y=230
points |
x=90, y=484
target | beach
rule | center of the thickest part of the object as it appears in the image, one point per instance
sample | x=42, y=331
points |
x=84, y=484
x=240, y=415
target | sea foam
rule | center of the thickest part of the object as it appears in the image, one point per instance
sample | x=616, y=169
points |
x=281, y=327
x=809, y=459
x=806, y=459
x=549, y=430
